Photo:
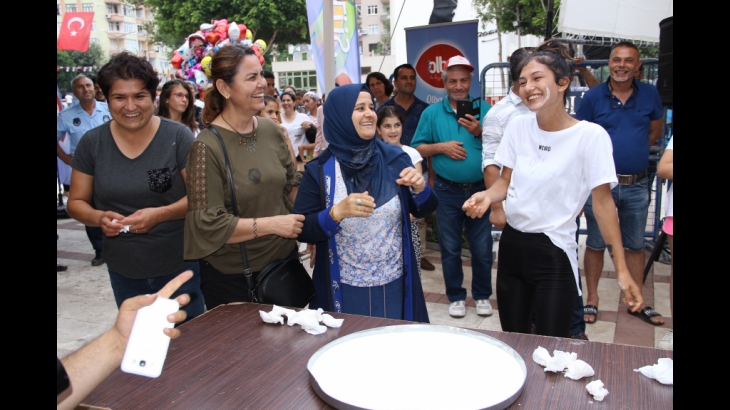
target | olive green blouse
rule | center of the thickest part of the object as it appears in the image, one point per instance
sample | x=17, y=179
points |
x=262, y=178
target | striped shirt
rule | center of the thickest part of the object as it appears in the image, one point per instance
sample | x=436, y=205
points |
x=495, y=122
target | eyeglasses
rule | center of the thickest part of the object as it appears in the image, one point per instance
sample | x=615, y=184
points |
x=180, y=95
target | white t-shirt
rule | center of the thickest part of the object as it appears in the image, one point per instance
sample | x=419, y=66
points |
x=669, y=206
x=552, y=175
x=295, y=130
x=415, y=156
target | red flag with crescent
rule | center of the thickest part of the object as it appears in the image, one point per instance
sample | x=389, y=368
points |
x=75, y=31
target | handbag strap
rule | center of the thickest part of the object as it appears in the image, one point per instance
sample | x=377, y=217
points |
x=247, y=270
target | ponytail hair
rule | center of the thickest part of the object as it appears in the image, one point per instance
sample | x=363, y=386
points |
x=223, y=66
x=554, y=54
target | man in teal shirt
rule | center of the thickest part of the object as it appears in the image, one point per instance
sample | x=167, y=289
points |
x=456, y=150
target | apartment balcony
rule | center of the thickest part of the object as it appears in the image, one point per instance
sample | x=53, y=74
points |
x=151, y=54
x=115, y=17
x=384, y=17
x=113, y=1
x=114, y=52
x=141, y=36
x=385, y=1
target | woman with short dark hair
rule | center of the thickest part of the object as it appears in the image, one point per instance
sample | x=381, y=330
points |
x=134, y=168
x=380, y=86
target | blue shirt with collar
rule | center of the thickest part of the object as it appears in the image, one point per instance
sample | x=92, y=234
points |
x=438, y=124
x=76, y=122
x=628, y=124
x=412, y=116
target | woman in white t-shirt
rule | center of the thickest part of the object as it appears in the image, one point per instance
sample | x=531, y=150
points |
x=390, y=128
x=292, y=121
x=665, y=170
x=551, y=163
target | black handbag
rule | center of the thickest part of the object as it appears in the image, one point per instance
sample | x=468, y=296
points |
x=282, y=282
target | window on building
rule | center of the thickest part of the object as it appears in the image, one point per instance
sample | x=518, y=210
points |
x=114, y=44
x=372, y=47
x=141, y=46
x=306, y=80
x=140, y=30
x=112, y=9
x=58, y=27
x=140, y=14
x=130, y=28
x=94, y=40
x=93, y=27
x=87, y=7
x=365, y=70
x=130, y=11
x=372, y=10
x=114, y=26
x=71, y=8
x=359, y=11
x=373, y=29
x=130, y=45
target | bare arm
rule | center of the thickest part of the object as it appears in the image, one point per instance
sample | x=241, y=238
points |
x=287, y=226
x=588, y=77
x=79, y=208
x=604, y=209
x=143, y=220
x=478, y=204
x=60, y=153
x=497, y=217
x=452, y=149
x=655, y=130
x=665, y=169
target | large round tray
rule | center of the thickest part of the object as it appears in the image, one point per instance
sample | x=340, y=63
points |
x=417, y=367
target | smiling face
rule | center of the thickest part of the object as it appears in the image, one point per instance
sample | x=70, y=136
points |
x=179, y=99
x=310, y=104
x=287, y=103
x=364, y=117
x=538, y=88
x=246, y=91
x=83, y=90
x=623, y=64
x=270, y=111
x=130, y=104
x=458, y=82
x=406, y=81
x=377, y=87
x=390, y=130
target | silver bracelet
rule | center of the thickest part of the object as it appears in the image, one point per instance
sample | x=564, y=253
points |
x=255, y=234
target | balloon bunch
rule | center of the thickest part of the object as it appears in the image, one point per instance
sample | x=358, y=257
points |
x=192, y=59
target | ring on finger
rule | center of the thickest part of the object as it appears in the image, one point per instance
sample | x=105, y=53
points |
x=358, y=202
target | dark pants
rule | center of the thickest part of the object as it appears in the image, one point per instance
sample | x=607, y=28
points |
x=125, y=288
x=377, y=301
x=534, y=275
x=577, y=324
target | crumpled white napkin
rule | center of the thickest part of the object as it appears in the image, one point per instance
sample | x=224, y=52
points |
x=663, y=371
x=579, y=369
x=308, y=319
x=556, y=363
x=123, y=230
x=597, y=390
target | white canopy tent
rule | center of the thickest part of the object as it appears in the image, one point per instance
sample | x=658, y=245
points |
x=635, y=20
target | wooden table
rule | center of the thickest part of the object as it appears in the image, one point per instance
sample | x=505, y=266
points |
x=229, y=359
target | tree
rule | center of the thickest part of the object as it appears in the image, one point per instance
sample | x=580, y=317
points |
x=532, y=14
x=282, y=22
x=94, y=56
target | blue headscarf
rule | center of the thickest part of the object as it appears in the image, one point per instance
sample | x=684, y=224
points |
x=366, y=165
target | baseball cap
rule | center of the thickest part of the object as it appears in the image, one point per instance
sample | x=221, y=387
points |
x=459, y=61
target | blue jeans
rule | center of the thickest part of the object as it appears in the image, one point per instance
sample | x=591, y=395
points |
x=632, y=204
x=125, y=288
x=451, y=219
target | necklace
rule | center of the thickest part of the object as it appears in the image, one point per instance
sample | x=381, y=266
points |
x=245, y=140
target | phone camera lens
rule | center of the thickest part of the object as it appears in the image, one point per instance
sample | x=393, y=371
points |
x=142, y=363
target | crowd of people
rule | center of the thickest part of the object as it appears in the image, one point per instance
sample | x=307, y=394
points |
x=167, y=190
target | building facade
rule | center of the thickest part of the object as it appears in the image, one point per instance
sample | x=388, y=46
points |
x=117, y=27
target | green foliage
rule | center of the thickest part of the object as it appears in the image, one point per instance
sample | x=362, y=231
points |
x=282, y=22
x=504, y=12
x=94, y=56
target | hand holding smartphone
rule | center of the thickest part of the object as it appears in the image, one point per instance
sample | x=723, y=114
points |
x=463, y=107
x=147, y=346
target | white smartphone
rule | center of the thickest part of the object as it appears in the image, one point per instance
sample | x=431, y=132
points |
x=147, y=346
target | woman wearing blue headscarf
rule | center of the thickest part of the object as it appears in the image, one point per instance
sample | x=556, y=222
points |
x=356, y=197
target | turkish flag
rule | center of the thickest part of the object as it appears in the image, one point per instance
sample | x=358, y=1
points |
x=75, y=31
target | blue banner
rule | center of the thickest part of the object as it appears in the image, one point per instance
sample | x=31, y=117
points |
x=347, y=53
x=429, y=49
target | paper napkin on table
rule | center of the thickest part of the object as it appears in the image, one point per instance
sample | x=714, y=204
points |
x=663, y=371
x=597, y=390
x=308, y=319
x=578, y=369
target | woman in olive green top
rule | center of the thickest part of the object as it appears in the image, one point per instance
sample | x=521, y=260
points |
x=265, y=181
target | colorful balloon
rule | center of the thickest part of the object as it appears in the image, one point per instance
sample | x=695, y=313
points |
x=261, y=44
x=200, y=78
x=234, y=33
x=243, y=29
x=249, y=35
x=205, y=64
x=177, y=59
x=206, y=26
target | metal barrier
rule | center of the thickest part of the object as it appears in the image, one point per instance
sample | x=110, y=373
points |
x=495, y=85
